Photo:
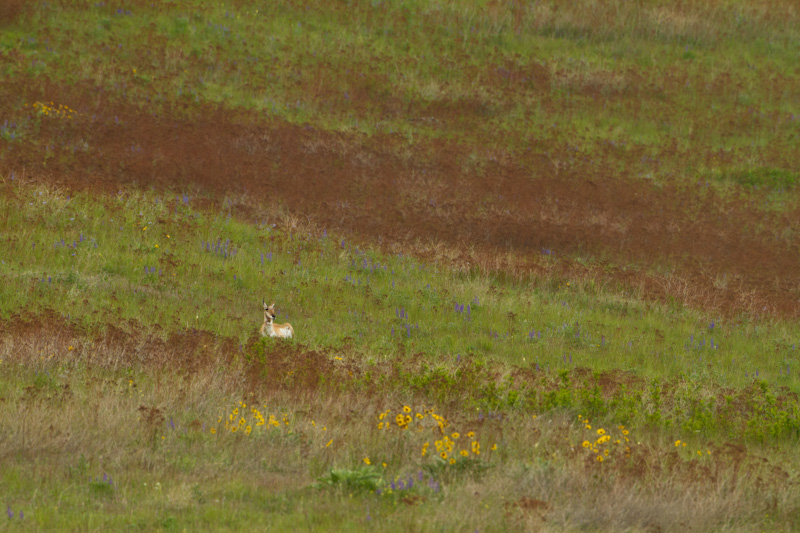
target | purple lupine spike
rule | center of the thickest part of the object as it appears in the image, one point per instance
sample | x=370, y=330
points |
x=9, y=512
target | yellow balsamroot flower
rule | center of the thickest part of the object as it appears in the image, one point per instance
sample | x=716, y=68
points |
x=381, y=416
x=471, y=434
x=452, y=460
x=465, y=453
x=494, y=447
x=599, y=458
x=406, y=409
x=420, y=415
x=367, y=461
x=601, y=431
x=586, y=444
x=213, y=431
x=248, y=429
x=443, y=455
x=456, y=435
x=677, y=443
x=329, y=443
x=588, y=426
x=625, y=432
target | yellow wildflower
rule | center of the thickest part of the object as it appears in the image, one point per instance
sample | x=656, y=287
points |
x=366, y=460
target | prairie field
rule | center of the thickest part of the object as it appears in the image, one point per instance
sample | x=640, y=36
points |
x=541, y=260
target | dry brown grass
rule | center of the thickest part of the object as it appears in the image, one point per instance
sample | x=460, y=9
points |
x=143, y=407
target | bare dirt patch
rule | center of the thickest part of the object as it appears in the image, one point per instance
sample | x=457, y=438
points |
x=718, y=254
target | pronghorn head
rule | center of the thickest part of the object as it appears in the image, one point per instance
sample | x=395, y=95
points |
x=269, y=311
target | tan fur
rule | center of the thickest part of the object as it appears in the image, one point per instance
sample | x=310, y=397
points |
x=270, y=329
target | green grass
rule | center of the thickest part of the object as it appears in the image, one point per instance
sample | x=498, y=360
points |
x=155, y=260
x=130, y=321
x=719, y=93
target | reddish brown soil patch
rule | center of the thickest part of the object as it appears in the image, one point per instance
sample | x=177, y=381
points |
x=542, y=201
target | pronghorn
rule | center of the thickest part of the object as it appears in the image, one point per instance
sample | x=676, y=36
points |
x=270, y=329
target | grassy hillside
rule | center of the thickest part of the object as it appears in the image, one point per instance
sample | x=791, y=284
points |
x=540, y=260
